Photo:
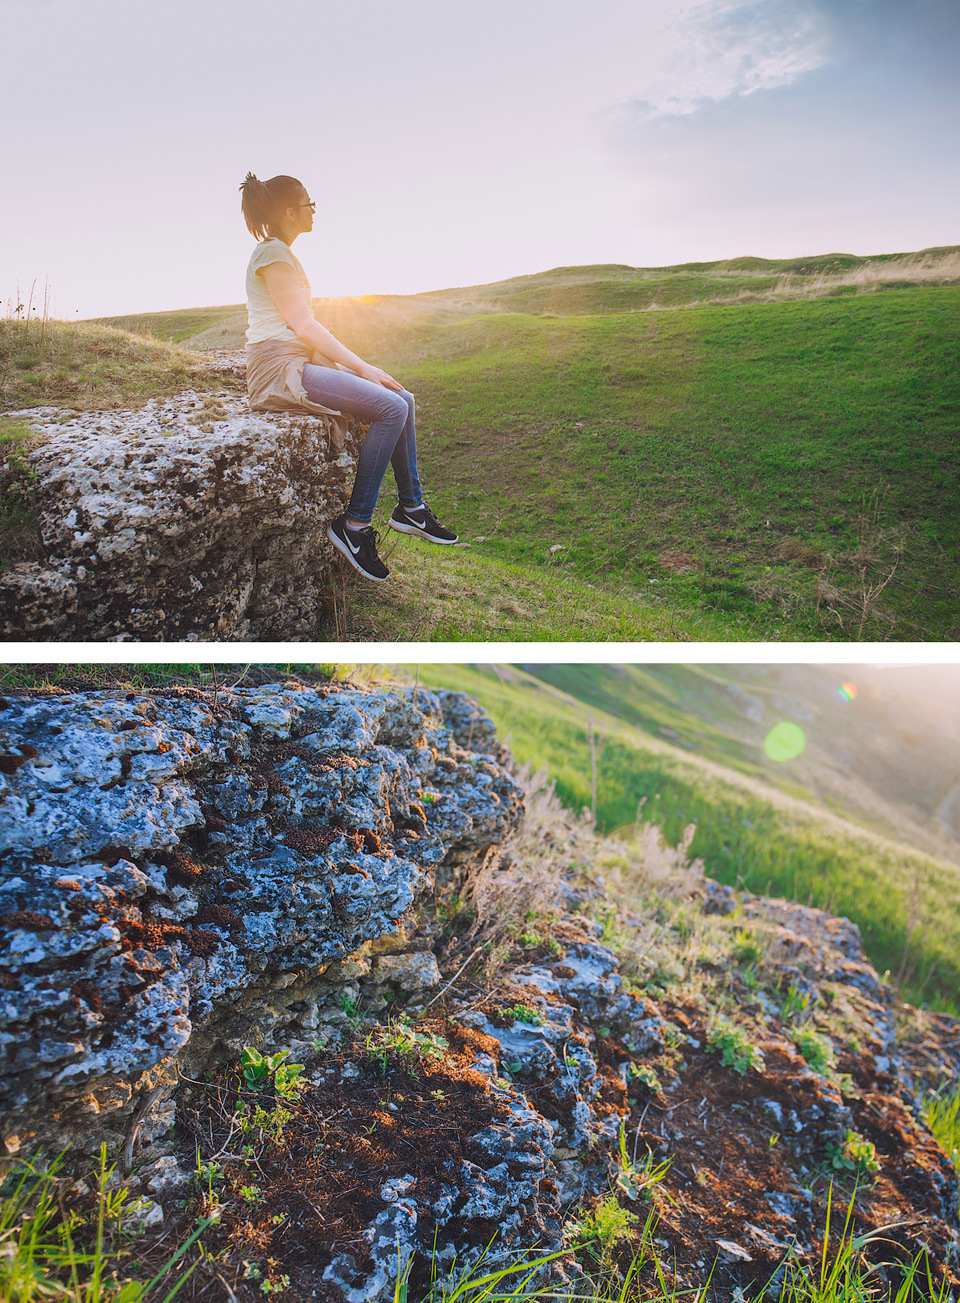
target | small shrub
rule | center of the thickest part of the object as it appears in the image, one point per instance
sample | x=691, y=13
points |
x=856, y=1154
x=816, y=1049
x=736, y=1050
x=263, y=1124
x=524, y=1013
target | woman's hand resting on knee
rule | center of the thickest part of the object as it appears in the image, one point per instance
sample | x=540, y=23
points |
x=378, y=377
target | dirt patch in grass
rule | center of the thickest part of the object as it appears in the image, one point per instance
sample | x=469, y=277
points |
x=680, y=562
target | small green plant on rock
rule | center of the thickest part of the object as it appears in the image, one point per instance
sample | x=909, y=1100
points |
x=748, y=948
x=816, y=1049
x=633, y=1178
x=643, y=1072
x=253, y=1271
x=260, y=1069
x=855, y=1154
x=673, y=1035
x=795, y=1002
x=524, y=1013
x=736, y=1049
x=399, y=1040
x=602, y=1228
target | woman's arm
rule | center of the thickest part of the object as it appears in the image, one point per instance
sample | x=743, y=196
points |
x=287, y=293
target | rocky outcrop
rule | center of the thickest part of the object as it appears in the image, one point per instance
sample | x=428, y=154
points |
x=187, y=874
x=189, y=519
x=182, y=876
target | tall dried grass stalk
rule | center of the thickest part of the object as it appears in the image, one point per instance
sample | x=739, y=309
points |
x=523, y=876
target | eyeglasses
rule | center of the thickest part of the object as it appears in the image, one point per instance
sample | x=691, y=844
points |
x=311, y=205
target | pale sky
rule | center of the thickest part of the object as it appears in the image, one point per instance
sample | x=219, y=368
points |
x=454, y=143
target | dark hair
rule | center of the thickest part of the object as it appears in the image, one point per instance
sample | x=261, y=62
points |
x=264, y=202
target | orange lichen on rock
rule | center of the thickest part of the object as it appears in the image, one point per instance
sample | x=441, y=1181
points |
x=29, y=920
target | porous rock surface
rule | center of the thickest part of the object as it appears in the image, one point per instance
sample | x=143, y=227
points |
x=180, y=878
x=191, y=518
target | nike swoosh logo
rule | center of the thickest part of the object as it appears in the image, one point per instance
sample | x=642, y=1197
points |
x=354, y=550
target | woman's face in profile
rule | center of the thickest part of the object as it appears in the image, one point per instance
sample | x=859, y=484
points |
x=305, y=213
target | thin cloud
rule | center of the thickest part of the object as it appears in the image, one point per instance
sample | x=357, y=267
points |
x=735, y=48
x=801, y=124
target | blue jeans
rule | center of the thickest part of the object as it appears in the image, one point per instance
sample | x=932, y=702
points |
x=391, y=438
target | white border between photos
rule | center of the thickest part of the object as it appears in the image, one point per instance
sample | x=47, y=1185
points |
x=408, y=653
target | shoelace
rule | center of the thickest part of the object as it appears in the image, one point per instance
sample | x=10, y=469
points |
x=428, y=514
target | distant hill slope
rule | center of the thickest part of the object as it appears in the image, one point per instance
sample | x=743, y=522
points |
x=770, y=833
x=385, y=319
x=889, y=759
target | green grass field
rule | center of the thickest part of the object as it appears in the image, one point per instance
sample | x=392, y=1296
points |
x=754, y=449
x=791, y=465
x=747, y=831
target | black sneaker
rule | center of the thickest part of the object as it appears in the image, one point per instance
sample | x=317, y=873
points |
x=359, y=546
x=420, y=521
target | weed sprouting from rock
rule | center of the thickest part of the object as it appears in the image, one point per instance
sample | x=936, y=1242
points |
x=735, y=1048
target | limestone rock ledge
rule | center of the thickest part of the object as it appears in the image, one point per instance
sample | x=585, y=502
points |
x=191, y=519
x=180, y=877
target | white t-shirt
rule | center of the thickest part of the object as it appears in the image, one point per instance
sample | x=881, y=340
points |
x=266, y=319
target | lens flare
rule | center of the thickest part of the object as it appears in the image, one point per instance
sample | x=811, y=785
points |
x=847, y=691
x=785, y=741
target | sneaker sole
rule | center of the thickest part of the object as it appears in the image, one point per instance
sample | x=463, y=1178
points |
x=346, y=553
x=418, y=533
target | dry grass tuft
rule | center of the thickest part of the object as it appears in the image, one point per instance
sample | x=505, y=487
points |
x=84, y=366
x=794, y=549
x=682, y=562
x=524, y=875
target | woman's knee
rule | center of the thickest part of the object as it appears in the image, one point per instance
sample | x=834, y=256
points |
x=396, y=408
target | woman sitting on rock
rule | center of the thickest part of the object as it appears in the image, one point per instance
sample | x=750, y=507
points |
x=293, y=361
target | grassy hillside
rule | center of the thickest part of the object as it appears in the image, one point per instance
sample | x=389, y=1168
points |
x=764, y=449
x=793, y=467
x=889, y=759
x=747, y=832
x=374, y=322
